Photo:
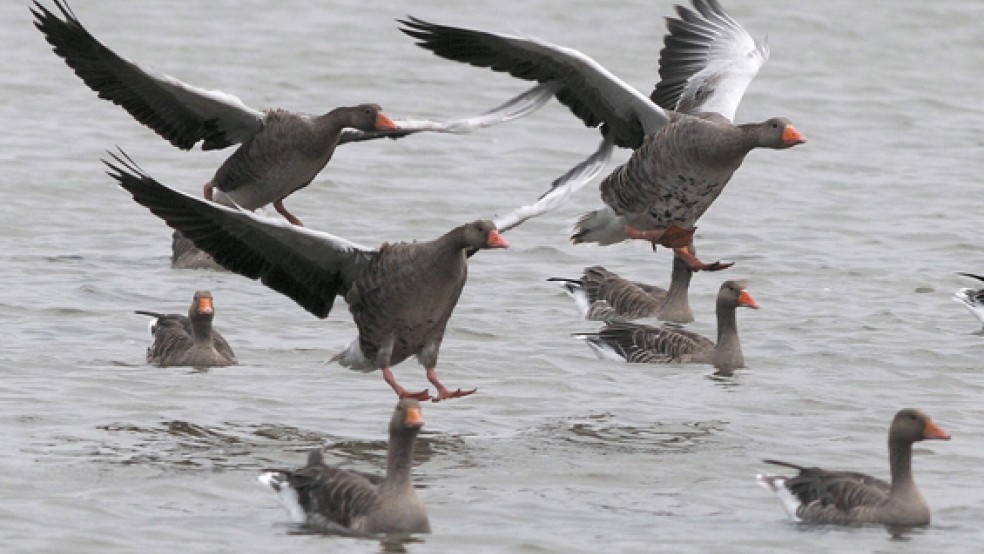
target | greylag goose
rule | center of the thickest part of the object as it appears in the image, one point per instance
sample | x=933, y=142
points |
x=280, y=151
x=845, y=497
x=400, y=295
x=636, y=343
x=601, y=295
x=972, y=299
x=188, y=340
x=686, y=147
x=356, y=502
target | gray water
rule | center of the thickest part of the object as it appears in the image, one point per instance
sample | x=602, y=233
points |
x=850, y=243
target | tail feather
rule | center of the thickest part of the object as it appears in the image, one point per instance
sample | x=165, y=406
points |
x=353, y=358
x=784, y=464
x=603, y=226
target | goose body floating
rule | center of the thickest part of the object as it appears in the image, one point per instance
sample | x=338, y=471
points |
x=353, y=501
x=188, y=340
x=846, y=497
x=639, y=343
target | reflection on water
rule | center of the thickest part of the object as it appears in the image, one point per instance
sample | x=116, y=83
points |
x=605, y=432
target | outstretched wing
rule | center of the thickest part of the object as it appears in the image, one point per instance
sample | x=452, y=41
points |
x=707, y=61
x=515, y=108
x=561, y=189
x=593, y=93
x=308, y=266
x=178, y=112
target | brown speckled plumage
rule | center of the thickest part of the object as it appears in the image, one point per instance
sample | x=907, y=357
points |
x=640, y=343
x=189, y=340
x=358, y=502
x=847, y=497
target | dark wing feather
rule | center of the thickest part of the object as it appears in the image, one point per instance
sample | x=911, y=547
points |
x=221, y=346
x=172, y=337
x=649, y=344
x=178, y=112
x=308, y=266
x=591, y=92
x=971, y=275
x=627, y=299
x=820, y=489
x=337, y=495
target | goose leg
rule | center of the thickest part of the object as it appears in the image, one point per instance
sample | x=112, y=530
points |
x=671, y=237
x=279, y=205
x=442, y=392
x=208, y=191
x=695, y=264
x=400, y=391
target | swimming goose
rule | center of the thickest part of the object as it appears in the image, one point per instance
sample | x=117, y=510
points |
x=602, y=295
x=972, y=299
x=686, y=147
x=637, y=343
x=845, y=497
x=356, y=502
x=400, y=295
x=280, y=151
x=188, y=340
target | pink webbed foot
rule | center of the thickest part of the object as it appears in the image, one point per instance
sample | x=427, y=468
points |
x=209, y=191
x=695, y=264
x=419, y=395
x=442, y=392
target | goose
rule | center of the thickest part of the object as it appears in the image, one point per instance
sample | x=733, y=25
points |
x=972, y=299
x=602, y=295
x=846, y=497
x=356, y=502
x=280, y=151
x=685, y=144
x=400, y=295
x=638, y=343
x=188, y=340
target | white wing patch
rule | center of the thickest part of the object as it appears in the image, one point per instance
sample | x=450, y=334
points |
x=515, y=108
x=561, y=189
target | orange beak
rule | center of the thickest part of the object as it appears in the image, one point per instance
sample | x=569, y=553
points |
x=792, y=137
x=496, y=240
x=383, y=123
x=934, y=431
x=746, y=300
x=413, y=417
x=205, y=305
